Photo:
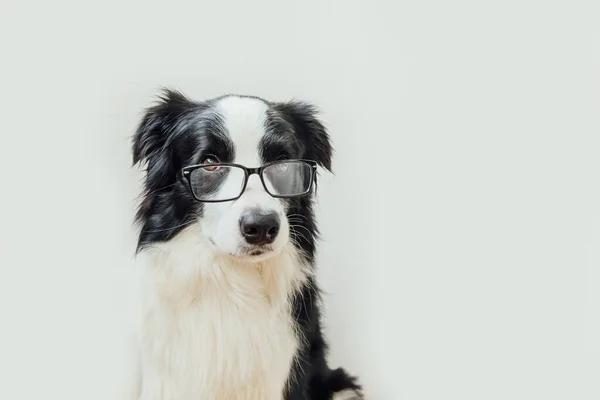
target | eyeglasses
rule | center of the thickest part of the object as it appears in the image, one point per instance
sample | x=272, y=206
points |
x=217, y=182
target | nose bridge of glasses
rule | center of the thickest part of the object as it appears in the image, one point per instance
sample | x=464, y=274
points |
x=254, y=182
x=255, y=195
x=253, y=171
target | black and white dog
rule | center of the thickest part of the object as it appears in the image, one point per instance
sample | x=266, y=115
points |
x=230, y=307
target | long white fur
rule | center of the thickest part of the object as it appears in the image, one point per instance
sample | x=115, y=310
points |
x=215, y=327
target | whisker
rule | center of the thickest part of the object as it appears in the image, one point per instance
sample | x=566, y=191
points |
x=298, y=215
x=297, y=221
x=298, y=236
x=303, y=227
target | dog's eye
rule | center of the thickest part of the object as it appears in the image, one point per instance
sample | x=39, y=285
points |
x=281, y=168
x=210, y=160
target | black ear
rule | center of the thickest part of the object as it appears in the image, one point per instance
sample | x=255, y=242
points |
x=303, y=117
x=153, y=130
x=153, y=135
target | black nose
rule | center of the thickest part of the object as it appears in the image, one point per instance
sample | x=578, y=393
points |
x=259, y=228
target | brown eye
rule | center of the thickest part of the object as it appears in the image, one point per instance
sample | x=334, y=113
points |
x=210, y=160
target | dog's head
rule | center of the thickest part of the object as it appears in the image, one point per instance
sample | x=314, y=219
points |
x=240, y=169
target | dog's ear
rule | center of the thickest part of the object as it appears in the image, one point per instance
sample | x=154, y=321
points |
x=153, y=130
x=304, y=118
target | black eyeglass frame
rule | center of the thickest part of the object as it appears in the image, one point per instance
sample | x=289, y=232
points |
x=186, y=172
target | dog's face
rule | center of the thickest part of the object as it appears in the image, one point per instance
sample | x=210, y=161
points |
x=178, y=135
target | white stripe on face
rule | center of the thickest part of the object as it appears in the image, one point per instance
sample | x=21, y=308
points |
x=244, y=120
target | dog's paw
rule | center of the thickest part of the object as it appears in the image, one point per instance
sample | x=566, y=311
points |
x=348, y=395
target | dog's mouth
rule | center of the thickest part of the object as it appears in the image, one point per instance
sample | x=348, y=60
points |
x=256, y=253
x=252, y=253
x=256, y=250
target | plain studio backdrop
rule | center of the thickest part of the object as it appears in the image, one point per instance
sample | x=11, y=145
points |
x=460, y=249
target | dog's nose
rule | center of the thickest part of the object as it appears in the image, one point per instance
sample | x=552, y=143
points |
x=259, y=228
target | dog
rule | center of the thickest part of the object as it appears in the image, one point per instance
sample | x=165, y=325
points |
x=230, y=307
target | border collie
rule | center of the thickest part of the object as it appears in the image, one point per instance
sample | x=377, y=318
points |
x=230, y=306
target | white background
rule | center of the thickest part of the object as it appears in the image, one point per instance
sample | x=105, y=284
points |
x=461, y=231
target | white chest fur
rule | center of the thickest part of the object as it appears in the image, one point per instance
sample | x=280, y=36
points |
x=218, y=329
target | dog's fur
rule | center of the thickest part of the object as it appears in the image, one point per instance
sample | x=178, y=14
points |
x=218, y=323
